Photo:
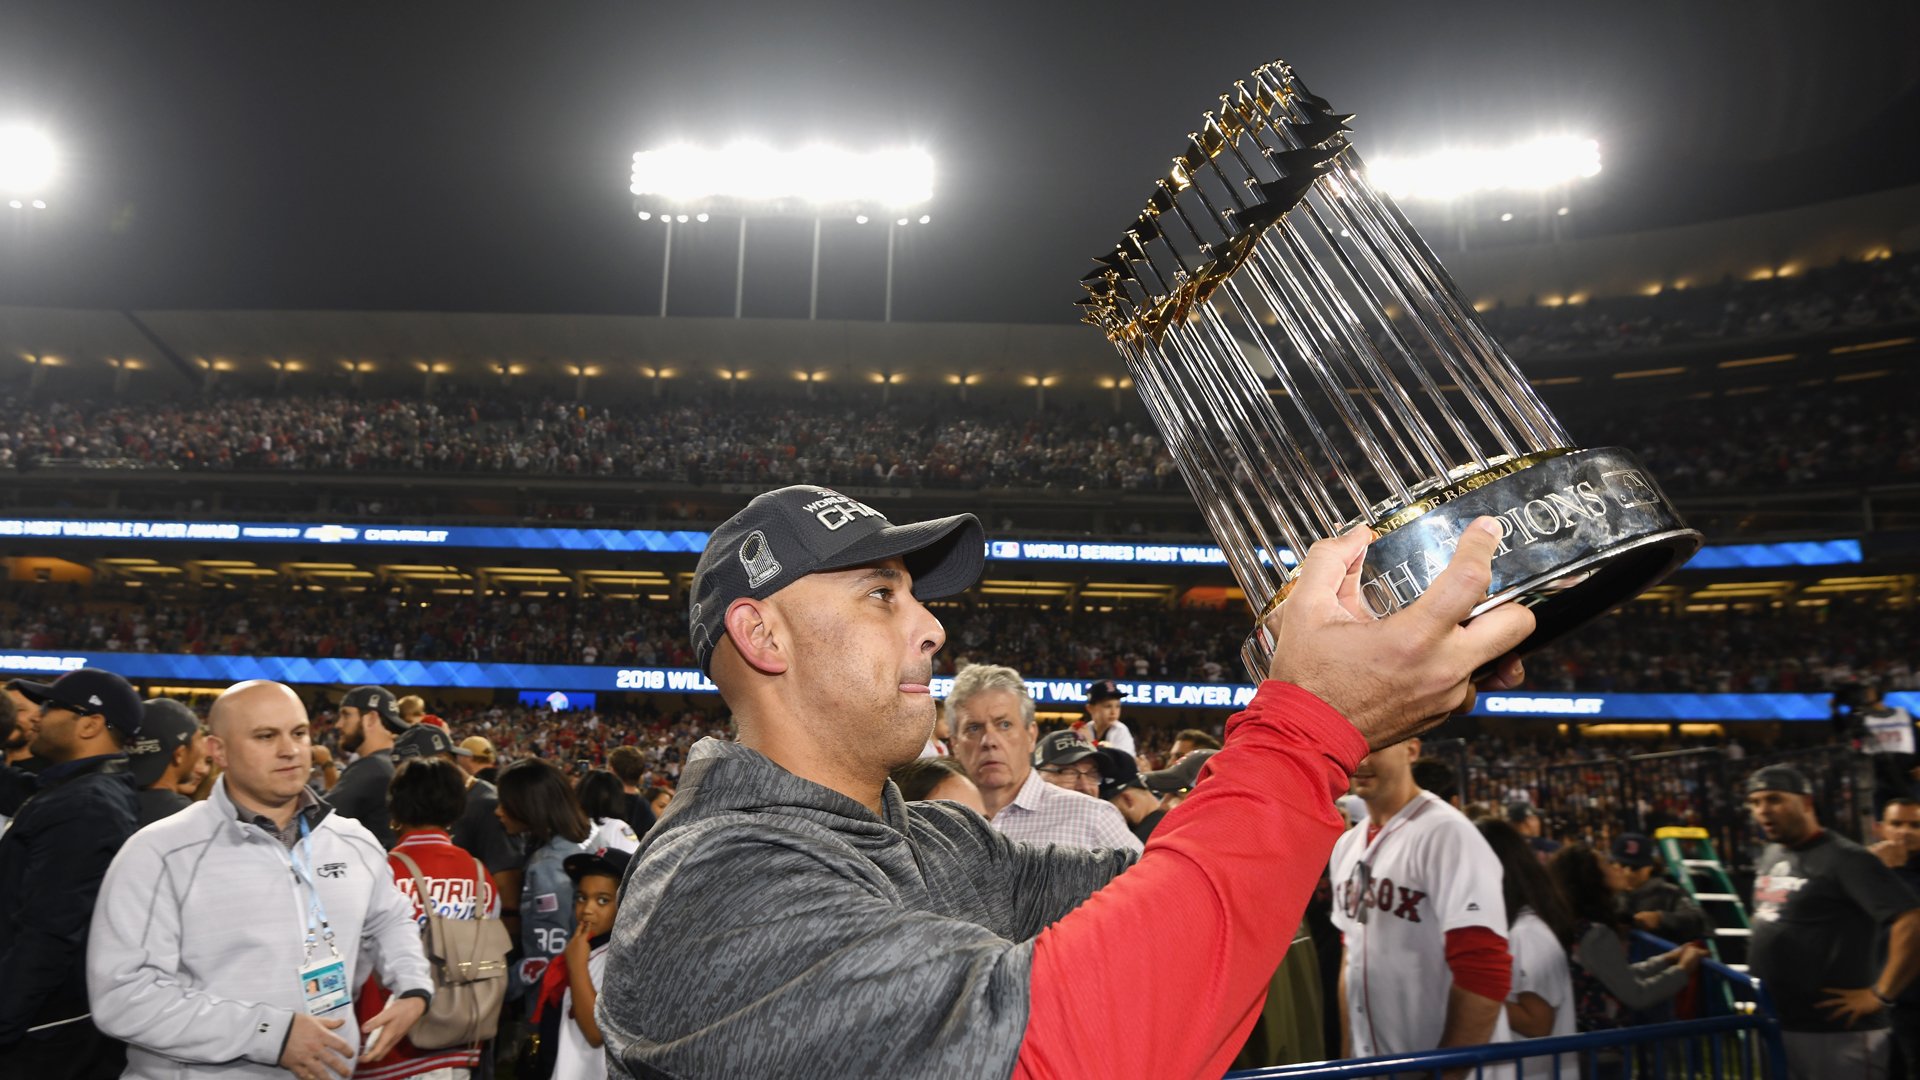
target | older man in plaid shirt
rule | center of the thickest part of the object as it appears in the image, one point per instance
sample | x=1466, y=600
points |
x=994, y=734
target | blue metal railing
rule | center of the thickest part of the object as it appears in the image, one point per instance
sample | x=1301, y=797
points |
x=1742, y=1042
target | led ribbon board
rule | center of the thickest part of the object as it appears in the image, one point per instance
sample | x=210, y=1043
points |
x=690, y=542
x=575, y=678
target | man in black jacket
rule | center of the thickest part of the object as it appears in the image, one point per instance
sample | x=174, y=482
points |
x=369, y=721
x=51, y=862
x=169, y=759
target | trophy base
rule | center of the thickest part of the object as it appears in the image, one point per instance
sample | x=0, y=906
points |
x=1582, y=533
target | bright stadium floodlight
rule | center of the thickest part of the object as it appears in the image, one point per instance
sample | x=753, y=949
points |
x=1453, y=174
x=28, y=162
x=745, y=179
x=754, y=174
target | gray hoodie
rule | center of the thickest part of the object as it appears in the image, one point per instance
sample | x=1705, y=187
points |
x=770, y=927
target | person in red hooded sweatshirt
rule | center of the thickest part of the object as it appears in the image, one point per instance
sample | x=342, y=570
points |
x=427, y=795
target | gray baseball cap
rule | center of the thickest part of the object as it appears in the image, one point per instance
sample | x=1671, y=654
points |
x=782, y=536
x=1780, y=778
x=425, y=741
x=379, y=701
x=1063, y=747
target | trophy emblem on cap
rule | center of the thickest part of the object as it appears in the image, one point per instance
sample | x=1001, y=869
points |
x=1313, y=368
x=758, y=559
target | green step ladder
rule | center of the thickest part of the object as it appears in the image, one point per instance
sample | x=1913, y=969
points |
x=1695, y=866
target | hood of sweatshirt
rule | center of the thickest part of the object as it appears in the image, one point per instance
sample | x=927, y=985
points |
x=727, y=778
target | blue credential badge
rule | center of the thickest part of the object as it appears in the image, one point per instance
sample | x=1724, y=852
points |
x=324, y=985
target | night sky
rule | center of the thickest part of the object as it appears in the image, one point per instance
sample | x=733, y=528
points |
x=473, y=157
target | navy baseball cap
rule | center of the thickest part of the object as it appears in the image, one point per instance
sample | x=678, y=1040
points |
x=784, y=535
x=1633, y=850
x=377, y=700
x=425, y=741
x=166, y=725
x=1780, y=778
x=1062, y=747
x=1104, y=690
x=88, y=691
x=607, y=862
x=1118, y=772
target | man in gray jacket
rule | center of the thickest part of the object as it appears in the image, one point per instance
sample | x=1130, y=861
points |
x=792, y=916
x=229, y=938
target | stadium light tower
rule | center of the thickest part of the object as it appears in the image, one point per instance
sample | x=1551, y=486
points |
x=28, y=166
x=747, y=179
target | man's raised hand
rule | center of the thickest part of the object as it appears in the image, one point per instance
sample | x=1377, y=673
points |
x=1393, y=678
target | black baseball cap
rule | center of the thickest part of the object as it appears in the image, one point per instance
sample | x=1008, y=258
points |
x=607, y=862
x=166, y=725
x=425, y=741
x=1633, y=850
x=1063, y=747
x=1104, y=690
x=1178, y=776
x=784, y=535
x=1519, y=811
x=1118, y=772
x=88, y=691
x=1780, y=778
x=377, y=700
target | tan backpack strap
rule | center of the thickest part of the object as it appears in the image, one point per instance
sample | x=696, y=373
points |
x=420, y=891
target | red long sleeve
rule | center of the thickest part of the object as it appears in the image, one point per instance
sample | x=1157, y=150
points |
x=1480, y=962
x=1175, y=956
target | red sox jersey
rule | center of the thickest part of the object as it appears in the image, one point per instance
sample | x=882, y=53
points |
x=1396, y=894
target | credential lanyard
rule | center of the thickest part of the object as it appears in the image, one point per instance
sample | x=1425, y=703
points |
x=318, y=929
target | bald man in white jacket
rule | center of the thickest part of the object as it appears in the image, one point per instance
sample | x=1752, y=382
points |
x=209, y=955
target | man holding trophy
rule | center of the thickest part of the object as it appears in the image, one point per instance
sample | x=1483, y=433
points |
x=793, y=917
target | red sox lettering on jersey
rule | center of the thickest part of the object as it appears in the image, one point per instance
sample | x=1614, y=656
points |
x=1398, y=900
x=1426, y=871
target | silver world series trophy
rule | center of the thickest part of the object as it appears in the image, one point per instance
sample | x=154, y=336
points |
x=1312, y=368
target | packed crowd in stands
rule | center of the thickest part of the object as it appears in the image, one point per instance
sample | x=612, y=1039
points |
x=1785, y=650
x=1736, y=443
x=1846, y=295
x=1766, y=441
x=499, y=628
x=1642, y=648
x=771, y=443
x=1779, y=437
